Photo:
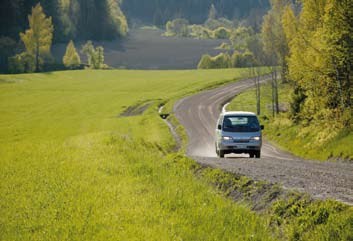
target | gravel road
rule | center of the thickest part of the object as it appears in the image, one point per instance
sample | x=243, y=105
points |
x=199, y=113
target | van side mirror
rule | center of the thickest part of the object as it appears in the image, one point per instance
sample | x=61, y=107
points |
x=262, y=127
x=219, y=127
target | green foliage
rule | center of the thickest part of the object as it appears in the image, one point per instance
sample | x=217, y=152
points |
x=224, y=46
x=117, y=18
x=22, y=63
x=221, y=33
x=200, y=32
x=38, y=38
x=303, y=219
x=8, y=47
x=205, y=62
x=177, y=27
x=196, y=11
x=296, y=104
x=320, y=60
x=71, y=58
x=95, y=56
x=240, y=38
x=73, y=19
x=275, y=43
x=223, y=60
x=220, y=61
x=212, y=13
x=213, y=24
x=80, y=172
x=213, y=28
x=240, y=60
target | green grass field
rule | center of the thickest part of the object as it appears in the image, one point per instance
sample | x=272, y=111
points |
x=72, y=169
x=317, y=142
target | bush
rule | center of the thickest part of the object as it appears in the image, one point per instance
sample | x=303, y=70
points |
x=221, y=61
x=200, y=32
x=224, y=46
x=240, y=60
x=22, y=63
x=213, y=24
x=177, y=27
x=8, y=48
x=95, y=56
x=221, y=33
x=205, y=62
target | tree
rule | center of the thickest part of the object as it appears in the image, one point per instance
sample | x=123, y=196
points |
x=38, y=38
x=71, y=58
x=95, y=57
x=240, y=37
x=320, y=61
x=178, y=27
x=212, y=13
x=275, y=45
x=338, y=24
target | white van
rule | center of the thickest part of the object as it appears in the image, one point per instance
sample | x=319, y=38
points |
x=238, y=132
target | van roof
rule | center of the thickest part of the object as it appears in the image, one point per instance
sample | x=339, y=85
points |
x=238, y=113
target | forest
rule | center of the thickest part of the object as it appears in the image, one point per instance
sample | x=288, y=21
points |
x=158, y=12
x=73, y=19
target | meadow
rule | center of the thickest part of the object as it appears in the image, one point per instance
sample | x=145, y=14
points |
x=318, y=142
x=72, y=168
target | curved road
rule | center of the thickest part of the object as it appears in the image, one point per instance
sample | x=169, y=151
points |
x=199, y=114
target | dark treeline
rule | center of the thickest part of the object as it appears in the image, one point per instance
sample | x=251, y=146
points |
x=158, y=12
x=72, y=19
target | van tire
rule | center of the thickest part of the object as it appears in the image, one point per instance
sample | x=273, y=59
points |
x=258, y=154
x=252, y=155
x=221, y=154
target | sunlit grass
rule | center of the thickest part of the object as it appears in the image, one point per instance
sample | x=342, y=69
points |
x=72, y=169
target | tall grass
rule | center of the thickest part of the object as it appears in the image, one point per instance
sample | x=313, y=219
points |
x=72, y=169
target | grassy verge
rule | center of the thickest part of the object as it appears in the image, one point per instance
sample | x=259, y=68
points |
x=317, y=142
x=72, y=169
x=291, y=215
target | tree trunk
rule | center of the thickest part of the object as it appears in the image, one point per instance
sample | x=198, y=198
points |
x=37, y=57
x=258, y=95
x=273, y=93
x=276, y=93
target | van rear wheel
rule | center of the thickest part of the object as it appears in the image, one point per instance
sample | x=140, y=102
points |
x=221, y=154
x=258, y=154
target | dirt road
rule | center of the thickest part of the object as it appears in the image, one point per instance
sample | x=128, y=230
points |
x=199, y=113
